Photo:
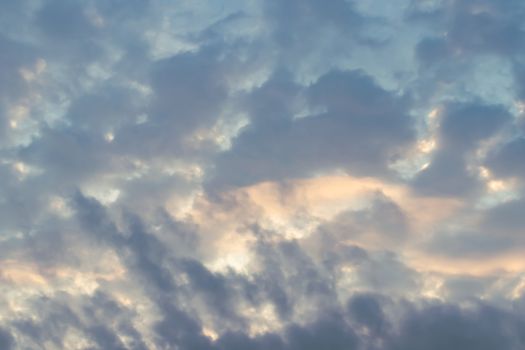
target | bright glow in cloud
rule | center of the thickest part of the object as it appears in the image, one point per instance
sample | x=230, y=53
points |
x=299, y=174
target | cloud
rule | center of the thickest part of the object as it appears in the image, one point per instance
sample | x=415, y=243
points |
x=362, y=129
x=505, y=161
x=475, y=27
x=462, y=129
x=254, y=175
x=443, y=325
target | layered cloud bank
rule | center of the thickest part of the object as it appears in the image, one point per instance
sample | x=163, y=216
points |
x=292, y=175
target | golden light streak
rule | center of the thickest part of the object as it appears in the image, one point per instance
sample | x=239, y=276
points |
x=295, y=209
x=20, y=274
x=29, y=275
x=480, y=267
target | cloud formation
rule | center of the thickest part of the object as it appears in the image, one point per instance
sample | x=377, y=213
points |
x=262, y=175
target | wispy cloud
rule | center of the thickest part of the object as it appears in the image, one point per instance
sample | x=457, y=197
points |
x=262, y=175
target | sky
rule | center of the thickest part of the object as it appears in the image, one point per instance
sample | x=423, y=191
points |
x=262, y=174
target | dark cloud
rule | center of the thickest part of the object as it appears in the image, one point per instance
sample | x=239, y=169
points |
x=382, y=220
x=363, y=128
x=506, y=161
x=100, y=318
x=476, y=243
x=105, y=110
x=438, y=326
x=467, y=287
x=330, y=331
x=64, y=20
x=146, y=254
x=461, y=129
x=463, y=126
x=215, y=289
x=519, y=79
x=506, y=218
x=189, y=92
x=471, y=27
x=15, y=55
x=497, y=231
x=68, y=156
x=285, y=268
x=447, y=175
x=144, y=100
x=6, y=340
x=189, y=89
x=292, y=26
x=367, y=310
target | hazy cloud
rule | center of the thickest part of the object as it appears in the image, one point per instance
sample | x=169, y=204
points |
x=254, y=175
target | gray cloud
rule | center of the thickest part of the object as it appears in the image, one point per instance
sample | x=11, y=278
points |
x=473, y=27
x=506, y=162
x=130, y=131
x=461, y=130
x=383, y=220
x=363, y=128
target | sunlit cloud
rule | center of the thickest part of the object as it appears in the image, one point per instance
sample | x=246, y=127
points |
x=283, y=175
